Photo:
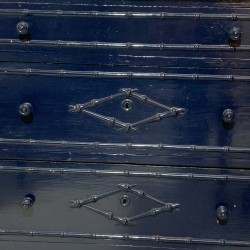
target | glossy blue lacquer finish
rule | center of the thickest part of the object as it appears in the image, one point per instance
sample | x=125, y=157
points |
x=136, y=113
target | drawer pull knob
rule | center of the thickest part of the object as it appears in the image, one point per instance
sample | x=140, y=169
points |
x=28, y=201
x=228, y=116
x=235, y=34
x=222, y=215
x=23, y=28
x=25, y=109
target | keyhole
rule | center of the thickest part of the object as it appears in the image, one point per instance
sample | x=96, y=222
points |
x=125, y=201
x=127, y=105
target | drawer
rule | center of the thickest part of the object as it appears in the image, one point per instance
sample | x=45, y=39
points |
x=80, y=105
x=125, y=204
x=118, y=29
x=135, y=114
x=124, y=23
x=55, y=25
x=197, y=37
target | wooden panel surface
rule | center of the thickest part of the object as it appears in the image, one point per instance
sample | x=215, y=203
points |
x=176, y=64
x=198, y=192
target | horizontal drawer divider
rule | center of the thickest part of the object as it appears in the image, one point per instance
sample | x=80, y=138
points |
x=126, y=237
x=126, y=45
x=132, y=146
x=128, y=15
x=123, y=75
x=126, y=173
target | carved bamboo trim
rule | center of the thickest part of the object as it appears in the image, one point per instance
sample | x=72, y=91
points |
x=127, y=146
x=165, y=206
x=128, y=173
x=124, y=75
x=126, y=15
x=126, y=45
x=126, y=237
x=126, y=126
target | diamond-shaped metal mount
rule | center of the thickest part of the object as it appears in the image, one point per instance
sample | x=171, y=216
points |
x=127, y=93
x=165, y=207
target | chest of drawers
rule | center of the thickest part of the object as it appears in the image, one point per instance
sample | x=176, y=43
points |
x=124, y=124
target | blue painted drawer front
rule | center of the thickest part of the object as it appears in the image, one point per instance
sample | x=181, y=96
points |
x=51, y=98
x=200, y=124
x=53, y=28
x=178, y=31
x=198, y=192
x=123, y=22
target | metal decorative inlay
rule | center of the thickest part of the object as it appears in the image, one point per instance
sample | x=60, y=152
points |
x=165, y=207
x=127, y=93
